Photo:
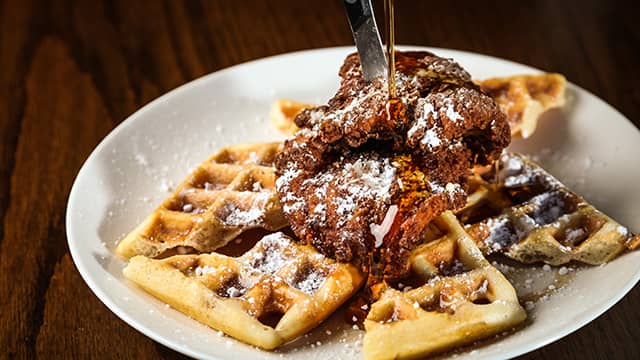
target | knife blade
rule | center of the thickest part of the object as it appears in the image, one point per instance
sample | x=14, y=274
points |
x=367, y=38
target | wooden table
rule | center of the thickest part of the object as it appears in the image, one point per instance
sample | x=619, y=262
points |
x=70, y=71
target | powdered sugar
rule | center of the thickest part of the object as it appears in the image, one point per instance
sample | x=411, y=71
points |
x=282, y=183
x=246, y=217
x=275, y=254
x=234, y=292
x=372, y=175
x=346, y=206
x=430, y=110
x=231, y=214
x=200, y=271
x=539, y=202
x=310, y=283
x=273, y=259
x=431, y=139
x=290, y=202
x=622, y=230
x=256, y=186
x=517, y=174
x=356, y=182
x=512, y=164
x=451, y=112
x=454, y=189
x=253, y=158
x=500, y=234
x=141, y=159
x=549, y=206
x=573, y=235
x=344, y=116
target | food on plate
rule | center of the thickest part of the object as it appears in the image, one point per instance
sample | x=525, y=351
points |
x=518, y=209
x=409, y=193
x=231, y=192
x=523, y=98
x=456, y=298
x=270, y=295
x=365, y=174
x=492, y=194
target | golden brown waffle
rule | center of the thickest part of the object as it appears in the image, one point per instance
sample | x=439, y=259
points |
x=270, y=295
x=456, y=297
x=524, y=98
x=283, y=112
x=231, y=192
x=524, y=212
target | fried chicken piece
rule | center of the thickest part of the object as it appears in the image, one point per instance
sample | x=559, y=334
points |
x=364, y=175
x=338, y=209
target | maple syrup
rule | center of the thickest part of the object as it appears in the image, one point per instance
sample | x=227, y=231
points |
x=391, y=54
x=410, y=173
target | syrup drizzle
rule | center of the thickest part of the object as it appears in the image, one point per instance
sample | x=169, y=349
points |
x=391, y=53
x=359, y=307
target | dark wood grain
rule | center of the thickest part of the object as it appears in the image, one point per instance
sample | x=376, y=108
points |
x=70, y=71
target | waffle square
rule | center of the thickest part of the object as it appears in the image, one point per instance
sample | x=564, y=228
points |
x=519, y=209
x=457, y=297
x=270, y=295
x=231, y=192
x=523, y=98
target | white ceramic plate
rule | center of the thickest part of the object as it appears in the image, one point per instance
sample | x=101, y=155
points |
x=589, y=146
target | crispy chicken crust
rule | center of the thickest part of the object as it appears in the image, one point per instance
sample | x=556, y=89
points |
x=363, y=158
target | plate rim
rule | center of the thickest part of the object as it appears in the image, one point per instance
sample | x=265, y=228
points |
x=74, y=195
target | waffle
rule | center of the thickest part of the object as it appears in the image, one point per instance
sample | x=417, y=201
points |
x=231, y=192
x=270, y=295
x=524, y=212
x=524, y=98
x=457, y=298
x=283, y=112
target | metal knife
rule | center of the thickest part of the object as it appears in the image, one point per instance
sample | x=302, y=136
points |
x=367, y=38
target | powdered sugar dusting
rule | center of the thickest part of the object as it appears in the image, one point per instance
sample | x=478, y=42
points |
x=431, y=139
x=573, y=235
x=517, y=174
x=357, y=181
x=276, y=255
x=452, y=189
x=539, y=200
x=246, y=217
x=451, y=112
x=231, y=214
x=273, y=258
x=200, y=271
x=622, y=230
x=549, y=206
x=311, y=282
x=501, y=235
x=371, y=175
x=290, y=202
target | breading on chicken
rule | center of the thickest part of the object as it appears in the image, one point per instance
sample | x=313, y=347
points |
x=364, y=175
